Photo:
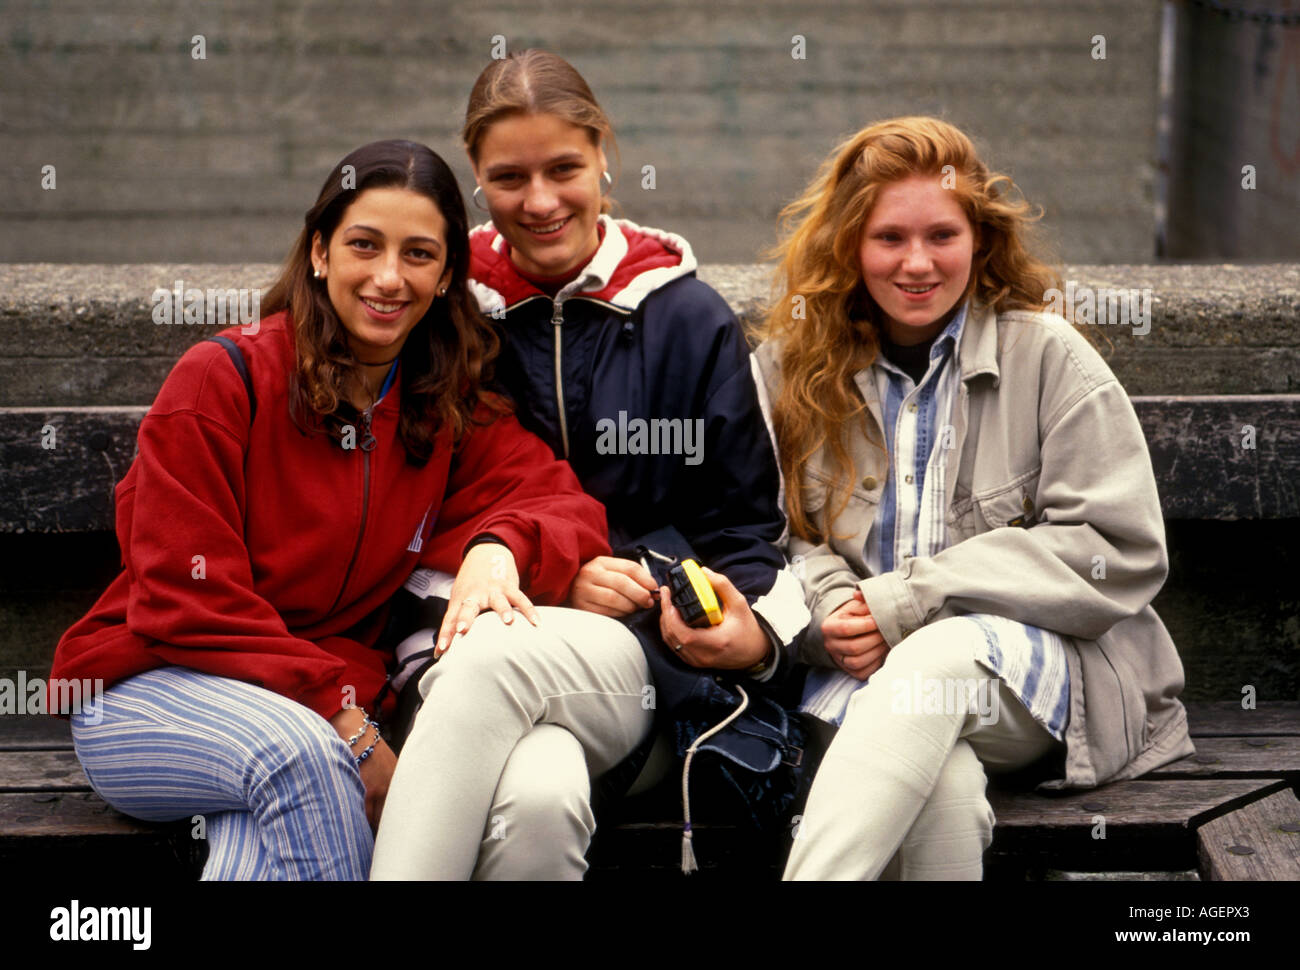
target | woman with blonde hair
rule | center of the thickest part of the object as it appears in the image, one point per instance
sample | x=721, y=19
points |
x=972, y=511
x=639, y=375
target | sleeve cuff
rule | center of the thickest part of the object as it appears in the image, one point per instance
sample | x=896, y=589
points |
x=813, y=649
x=777, y=649
x=783, y=610
x=896, y=615
x=481, y=538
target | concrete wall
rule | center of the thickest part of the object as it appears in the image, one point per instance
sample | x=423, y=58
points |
x=161, y=157
x=84, y=335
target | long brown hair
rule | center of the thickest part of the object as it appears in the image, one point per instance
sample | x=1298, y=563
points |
x=448, y=355
x=535, y=82
x=837, y=333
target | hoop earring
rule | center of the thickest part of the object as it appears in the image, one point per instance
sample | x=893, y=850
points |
x=608, y=183
x=475, y=195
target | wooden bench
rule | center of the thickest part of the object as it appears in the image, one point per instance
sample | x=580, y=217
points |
x=1227, y=812
x=49, y=816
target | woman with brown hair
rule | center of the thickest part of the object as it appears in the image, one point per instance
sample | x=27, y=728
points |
x=637, y=374
x=287, y=482
x=972, y=511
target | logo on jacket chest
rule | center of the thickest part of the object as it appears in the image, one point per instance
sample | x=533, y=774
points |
x=655, y=436
x=424, y=530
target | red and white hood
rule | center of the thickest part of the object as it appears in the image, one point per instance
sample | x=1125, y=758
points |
x=630, y=264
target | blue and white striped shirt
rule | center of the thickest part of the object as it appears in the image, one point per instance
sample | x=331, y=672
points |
x=911, y=521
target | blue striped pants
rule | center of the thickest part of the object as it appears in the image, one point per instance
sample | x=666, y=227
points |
x=278, y=791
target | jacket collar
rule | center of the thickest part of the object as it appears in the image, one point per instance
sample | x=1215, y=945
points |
x=976, y=354
x=631, y=263
x=978, y=351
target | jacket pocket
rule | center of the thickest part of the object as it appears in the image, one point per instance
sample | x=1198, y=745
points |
x=823, y=498
x=1013, y=504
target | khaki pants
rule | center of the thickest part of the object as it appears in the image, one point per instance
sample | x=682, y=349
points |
x=901, y=791
x=494, y=780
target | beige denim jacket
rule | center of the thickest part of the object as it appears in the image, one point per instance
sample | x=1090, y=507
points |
x=1054, y=521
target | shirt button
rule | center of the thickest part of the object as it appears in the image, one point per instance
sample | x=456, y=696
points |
x=1027, y=504
x=908, y=479
x=869, y=483
x=912, y=407
x=906, y=632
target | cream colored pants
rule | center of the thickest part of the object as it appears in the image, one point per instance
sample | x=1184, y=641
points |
x=901, y=791
x=494, y=780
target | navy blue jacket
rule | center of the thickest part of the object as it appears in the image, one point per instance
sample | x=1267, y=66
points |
x=645, y=358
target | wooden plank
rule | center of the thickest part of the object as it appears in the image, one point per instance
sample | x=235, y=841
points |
x=67, y=487
x=1174, y=803
x=1146, y=824
x=79, y=832
x=1128, y=825
x=1259, y=841
x=41, y=771
x=1224, y=456
x=1210, y=719
x=64, y=815
x=34, y=732
x=1260, y=756
x=1057, y=875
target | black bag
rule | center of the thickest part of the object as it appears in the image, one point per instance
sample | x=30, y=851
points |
x=759, y=768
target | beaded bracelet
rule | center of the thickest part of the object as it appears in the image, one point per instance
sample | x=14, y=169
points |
x=361, y=731
x=370, y=750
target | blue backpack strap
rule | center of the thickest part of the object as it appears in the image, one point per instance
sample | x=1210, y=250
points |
x=237, y=358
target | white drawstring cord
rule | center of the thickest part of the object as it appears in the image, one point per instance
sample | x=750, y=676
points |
x=689, y=864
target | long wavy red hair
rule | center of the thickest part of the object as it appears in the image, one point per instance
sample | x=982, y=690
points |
x=836, y=334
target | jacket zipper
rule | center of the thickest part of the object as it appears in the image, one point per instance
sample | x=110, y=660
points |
x=368, y=443
x=557, y=320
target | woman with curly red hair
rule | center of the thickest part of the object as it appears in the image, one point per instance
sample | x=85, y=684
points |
x=972, y=509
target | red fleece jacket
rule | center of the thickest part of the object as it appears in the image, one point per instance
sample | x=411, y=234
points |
x=267, y=555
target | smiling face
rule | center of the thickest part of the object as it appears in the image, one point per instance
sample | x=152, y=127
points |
x=383, y=266
x=541, y=179
x=915, y=257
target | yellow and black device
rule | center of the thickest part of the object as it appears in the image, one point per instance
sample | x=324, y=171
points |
x=693, y=594
x=690, y=589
